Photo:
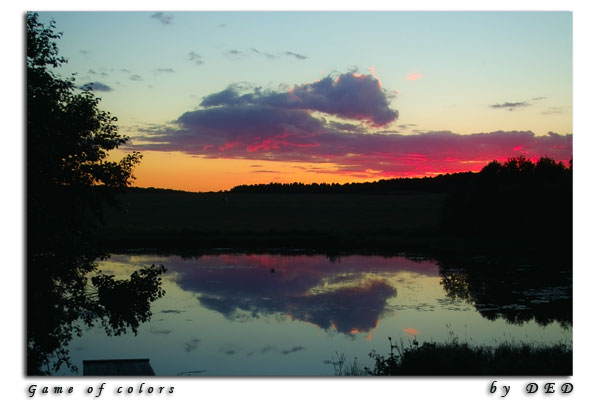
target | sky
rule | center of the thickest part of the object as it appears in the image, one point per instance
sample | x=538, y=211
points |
x=586, y=85
x=217, y=99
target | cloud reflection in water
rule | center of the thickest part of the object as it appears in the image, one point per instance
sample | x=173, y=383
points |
x=348, y=297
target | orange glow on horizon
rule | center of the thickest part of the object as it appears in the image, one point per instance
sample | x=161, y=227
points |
x=181, y=171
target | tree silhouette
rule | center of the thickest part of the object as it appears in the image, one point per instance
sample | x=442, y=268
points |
x=69, y=182
x=519, y=200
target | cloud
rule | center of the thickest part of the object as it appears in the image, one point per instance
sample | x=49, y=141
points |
x=191, y=345
x=233, y=350
x=270, y=56
x=171, y=311
x=266, y=349
x=349, y=96
x=261, y=53
x=293, y=350
x=553, y=110
x=296, y=55
x=195, y=57
x=96, y=86
x=510, y=106
x=136, y=78
x=405, y=126
x=413, y=76
x=234, y=53
x=299, y=289
x=411, y=331
x=164, y=71
x=334, y=120
x=163, y=18
x=160, y=331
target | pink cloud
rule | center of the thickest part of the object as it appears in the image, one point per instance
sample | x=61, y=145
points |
x=413, y=76
x=280, y=126
x=411, y=331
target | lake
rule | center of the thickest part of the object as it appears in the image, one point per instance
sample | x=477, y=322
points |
x=294, y=314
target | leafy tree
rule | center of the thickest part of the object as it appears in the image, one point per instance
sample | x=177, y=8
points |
x=521, y=201
x=69, y=182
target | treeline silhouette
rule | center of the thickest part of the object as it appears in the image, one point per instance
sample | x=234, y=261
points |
x=446, y=183
x=514, y=172
x=519, y=199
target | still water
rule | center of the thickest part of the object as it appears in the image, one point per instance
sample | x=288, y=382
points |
x=266, y=314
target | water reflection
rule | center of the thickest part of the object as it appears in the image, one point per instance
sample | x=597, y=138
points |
x=347, y=298
x=267, y=314
x=350, y=294
x=517, y=291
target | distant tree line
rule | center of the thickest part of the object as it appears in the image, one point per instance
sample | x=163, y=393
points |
x=438, y=184
x=515, y=171
x=519, y=200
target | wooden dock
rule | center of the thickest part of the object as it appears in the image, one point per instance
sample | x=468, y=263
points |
x=118, y=367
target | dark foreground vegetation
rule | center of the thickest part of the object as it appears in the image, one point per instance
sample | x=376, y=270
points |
x=519, y=204
x=69, y=182
x=461, y=359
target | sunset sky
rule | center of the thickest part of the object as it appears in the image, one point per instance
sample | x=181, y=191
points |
x=217, y=99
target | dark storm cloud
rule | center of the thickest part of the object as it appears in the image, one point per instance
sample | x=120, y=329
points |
x=163, y=18
x=96, y=86
x=510, y=106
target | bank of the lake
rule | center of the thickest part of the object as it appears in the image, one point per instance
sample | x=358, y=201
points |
x=372, y=223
